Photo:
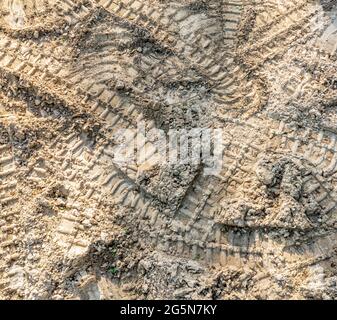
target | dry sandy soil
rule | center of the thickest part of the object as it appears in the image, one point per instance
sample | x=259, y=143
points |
x=77, y=223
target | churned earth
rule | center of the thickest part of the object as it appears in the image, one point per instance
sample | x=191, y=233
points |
x=91, y=205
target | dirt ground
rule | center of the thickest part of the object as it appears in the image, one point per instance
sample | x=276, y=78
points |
x=77, y=222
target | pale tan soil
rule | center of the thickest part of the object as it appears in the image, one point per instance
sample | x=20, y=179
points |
x=76, y=224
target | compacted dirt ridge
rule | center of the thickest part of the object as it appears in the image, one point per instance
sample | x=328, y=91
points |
x=78, y=223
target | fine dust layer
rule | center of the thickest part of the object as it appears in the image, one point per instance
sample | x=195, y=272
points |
x=82, y=216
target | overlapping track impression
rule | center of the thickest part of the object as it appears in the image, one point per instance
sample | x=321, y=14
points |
x=82, y=80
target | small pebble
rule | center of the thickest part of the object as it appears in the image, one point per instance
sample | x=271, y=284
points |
x=120, y=85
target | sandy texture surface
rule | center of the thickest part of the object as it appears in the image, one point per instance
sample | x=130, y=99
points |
x=83, y=217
